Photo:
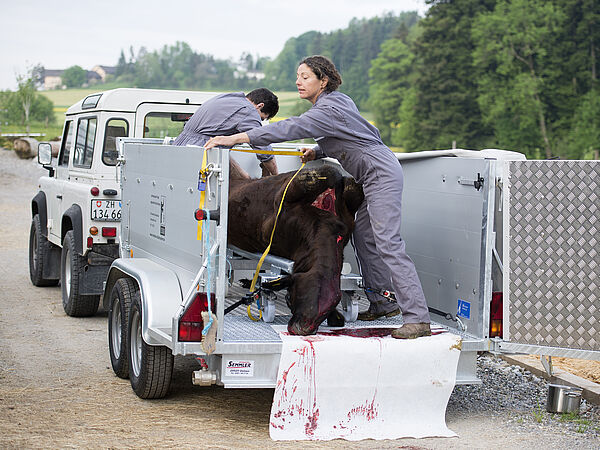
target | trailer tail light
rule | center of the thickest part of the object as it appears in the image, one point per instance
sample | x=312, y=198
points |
x=93, y=231
x=95, y=191
x=496, y=312
x=90, y=242
x=109, y=231
x=191, y=323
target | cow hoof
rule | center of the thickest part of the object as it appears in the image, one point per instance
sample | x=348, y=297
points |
x=335, y=319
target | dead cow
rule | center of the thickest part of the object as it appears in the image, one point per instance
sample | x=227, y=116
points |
x=315, y=223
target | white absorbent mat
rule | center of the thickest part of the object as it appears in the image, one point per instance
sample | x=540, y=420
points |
x=353, y=387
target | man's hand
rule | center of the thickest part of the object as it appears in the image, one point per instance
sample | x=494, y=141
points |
x=227, y=141
x=271, y=166
x=308, y=154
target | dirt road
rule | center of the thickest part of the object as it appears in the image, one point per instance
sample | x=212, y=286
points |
x=57, y=388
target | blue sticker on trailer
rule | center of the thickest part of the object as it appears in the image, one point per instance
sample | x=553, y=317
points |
x=464, y=309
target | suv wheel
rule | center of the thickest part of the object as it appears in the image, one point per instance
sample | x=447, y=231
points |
x=71, y=270
x=38, y=251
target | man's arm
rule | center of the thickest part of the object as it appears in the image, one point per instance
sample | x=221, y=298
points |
x=270, y=166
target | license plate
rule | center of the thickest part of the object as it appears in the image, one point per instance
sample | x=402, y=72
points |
x=106, y=210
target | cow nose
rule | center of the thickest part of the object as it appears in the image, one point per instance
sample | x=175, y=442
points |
x=296, y=329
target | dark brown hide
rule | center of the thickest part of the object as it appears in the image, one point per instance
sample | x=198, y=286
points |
x=313, y=238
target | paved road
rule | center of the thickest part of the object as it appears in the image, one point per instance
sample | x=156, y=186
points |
x=57, y=388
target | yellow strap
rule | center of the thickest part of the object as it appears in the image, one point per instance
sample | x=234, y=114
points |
x=256, y=319
x=269, y=152
x=202, y=197
x=266, y=252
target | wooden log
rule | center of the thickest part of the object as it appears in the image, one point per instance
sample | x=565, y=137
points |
x=26, y=147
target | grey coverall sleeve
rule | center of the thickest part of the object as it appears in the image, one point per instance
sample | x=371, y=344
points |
x=248, y=123
x=315, y=123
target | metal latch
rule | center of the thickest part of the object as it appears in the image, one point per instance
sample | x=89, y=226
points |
x=477, y=184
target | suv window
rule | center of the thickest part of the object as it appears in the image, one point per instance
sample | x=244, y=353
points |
x=84, y=143
x=67, y=143
x=161, y=124
x=114, y=128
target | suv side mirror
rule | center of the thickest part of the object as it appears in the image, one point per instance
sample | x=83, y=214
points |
x=44, y=153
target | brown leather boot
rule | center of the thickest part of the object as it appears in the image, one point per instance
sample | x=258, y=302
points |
x=368, y=315
x=412, y=331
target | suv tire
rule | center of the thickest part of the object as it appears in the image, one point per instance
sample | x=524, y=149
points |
x=39, y=247
x=72, y=266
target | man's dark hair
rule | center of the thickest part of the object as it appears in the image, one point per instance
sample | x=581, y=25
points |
x=263, y=95
x=324, y=67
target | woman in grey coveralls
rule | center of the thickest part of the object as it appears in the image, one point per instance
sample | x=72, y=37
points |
x=342, y=133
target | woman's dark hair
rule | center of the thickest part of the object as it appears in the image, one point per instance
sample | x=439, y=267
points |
x=263, y=95
x=323, y=67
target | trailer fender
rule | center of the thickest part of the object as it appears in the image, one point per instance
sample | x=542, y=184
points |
x=160, y=292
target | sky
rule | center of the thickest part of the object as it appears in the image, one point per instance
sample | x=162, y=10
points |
x=58, y=34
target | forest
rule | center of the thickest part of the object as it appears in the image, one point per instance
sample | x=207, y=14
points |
x=513, y=74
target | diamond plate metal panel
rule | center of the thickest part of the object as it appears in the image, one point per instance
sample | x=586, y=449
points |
x=553, y=262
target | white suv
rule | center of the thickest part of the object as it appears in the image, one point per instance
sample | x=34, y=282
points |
x=76, y=213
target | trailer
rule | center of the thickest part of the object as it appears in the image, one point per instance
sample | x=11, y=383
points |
x=507, y=257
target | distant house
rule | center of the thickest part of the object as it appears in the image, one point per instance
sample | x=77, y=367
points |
x=93, y=77
x=241, y=72
x=103, y=71
x=52, y=79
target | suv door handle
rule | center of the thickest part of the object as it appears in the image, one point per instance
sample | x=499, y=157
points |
x=59, y=196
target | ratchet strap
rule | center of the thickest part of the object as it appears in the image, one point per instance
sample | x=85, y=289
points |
x=202, y=177
x=266, y=252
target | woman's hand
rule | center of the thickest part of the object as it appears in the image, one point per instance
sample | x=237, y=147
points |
x=308, y=154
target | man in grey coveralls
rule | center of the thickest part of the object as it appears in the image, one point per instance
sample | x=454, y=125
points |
x=342, y=133
x=232, y=113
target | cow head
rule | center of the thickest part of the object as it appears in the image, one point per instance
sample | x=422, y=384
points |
x=314, y=225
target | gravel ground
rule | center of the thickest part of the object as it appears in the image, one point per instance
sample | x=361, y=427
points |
x=57, y=389
x=516, y=391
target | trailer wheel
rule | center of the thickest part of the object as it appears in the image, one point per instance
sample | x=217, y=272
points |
x=150, y=366
x=349, y=306
x=120, y=302
x=71, y=268
x=38, y=250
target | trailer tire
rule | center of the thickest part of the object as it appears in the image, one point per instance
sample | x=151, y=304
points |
x=72, y=265
x=39, y=247
x=150, y=366
x=120, y=302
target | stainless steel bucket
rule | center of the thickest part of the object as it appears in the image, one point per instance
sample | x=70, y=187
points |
x=563, y=399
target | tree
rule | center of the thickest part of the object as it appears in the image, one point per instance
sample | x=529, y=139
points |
x=444, y=94
x=585, y=134
x=74, y=76
x=25, y=94
x=513, y=43
x=389, y=82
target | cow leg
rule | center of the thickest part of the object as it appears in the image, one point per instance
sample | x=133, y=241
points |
x=335, y=319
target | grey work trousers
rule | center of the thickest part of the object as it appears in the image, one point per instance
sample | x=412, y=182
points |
x=380, y=249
